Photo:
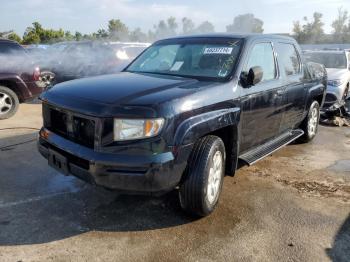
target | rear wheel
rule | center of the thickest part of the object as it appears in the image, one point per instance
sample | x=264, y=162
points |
x=8, y=102
x=310, y=123
x=199, y=193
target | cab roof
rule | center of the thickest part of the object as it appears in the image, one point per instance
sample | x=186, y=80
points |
x=233, y=35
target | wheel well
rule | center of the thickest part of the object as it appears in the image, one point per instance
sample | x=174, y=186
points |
x=318, y=99
x=12, y=85
x=230, y=138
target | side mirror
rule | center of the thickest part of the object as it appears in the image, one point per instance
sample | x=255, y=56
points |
x=253, y=77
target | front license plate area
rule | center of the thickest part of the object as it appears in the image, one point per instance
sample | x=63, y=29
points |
x=58, y=162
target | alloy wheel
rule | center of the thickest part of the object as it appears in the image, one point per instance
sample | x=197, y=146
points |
x=6, y=103
x=313, y=121
x=214, y=178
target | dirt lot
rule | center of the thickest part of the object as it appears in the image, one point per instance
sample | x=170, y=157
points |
x=292, y=206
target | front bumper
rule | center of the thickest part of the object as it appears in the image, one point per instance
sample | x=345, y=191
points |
x=154, y=174
x=334, y=96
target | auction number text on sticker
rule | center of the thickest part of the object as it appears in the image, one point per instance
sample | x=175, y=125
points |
x=218, y=50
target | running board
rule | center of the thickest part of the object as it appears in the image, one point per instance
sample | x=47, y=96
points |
x=271, y=146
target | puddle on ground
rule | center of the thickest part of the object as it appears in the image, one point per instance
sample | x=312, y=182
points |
x=340, y=166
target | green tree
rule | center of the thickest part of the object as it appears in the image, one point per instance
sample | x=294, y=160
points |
x=68, y=36
x=165, y=28
x=340, y=28
x=78, y=36
x=205, y=27
x=172, y=25
x=32, y=34
x=137, y=35
x=117, y=30
x=187, y=26
x=311, y=32
x=14, y=37
x=37, y=34
x=31, y=37
x=246, y=23
x=101, y=34
x=298, y=32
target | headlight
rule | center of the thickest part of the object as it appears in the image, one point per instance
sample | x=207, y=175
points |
x=130, y=129
x=122, y=55
x=337, y=82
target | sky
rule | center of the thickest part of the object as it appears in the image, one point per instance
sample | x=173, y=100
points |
x=88, y=16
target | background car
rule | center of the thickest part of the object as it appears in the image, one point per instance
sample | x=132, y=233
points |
x=128, y=51
x=337, y=63
x=72, y=60
x=19, y=78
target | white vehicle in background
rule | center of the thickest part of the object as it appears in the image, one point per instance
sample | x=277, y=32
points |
x=127, y=51
x=337, y=63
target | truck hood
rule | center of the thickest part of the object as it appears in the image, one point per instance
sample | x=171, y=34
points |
x=121, y=93
x=335, y=73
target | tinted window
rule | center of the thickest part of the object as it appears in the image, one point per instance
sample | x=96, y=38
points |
x=262, y=55
x=288, y=57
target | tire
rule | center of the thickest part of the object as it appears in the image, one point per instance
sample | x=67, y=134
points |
x=200, y=191
x=310, y=123
x=9, y=103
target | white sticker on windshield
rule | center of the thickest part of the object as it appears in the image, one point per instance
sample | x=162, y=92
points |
x=177, y=65
x=218, y=50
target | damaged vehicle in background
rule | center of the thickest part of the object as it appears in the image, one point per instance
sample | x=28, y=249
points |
x=19, y=78
x=337, y=64
x=73, y=60
x=182, y=115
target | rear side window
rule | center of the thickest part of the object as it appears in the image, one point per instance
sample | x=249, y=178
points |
x=262, y=55
x=289, y=59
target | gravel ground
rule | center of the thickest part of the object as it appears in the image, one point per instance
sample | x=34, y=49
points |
x=291, y=206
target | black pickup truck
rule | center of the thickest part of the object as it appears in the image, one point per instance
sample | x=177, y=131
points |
x=182, y=115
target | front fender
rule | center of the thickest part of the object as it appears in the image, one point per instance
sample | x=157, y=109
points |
x=315, y=91
x=197, y=126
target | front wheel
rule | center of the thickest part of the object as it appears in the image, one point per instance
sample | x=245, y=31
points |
x=200, y=191
x=310, y=123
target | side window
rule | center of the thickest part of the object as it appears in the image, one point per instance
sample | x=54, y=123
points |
x=262, y=55
x=289, y=59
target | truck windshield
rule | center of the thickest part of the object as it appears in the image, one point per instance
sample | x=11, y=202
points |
x=329, y=60
x=198, y=58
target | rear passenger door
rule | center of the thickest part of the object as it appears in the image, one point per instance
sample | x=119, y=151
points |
x=260, y=104
x=295, y=91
